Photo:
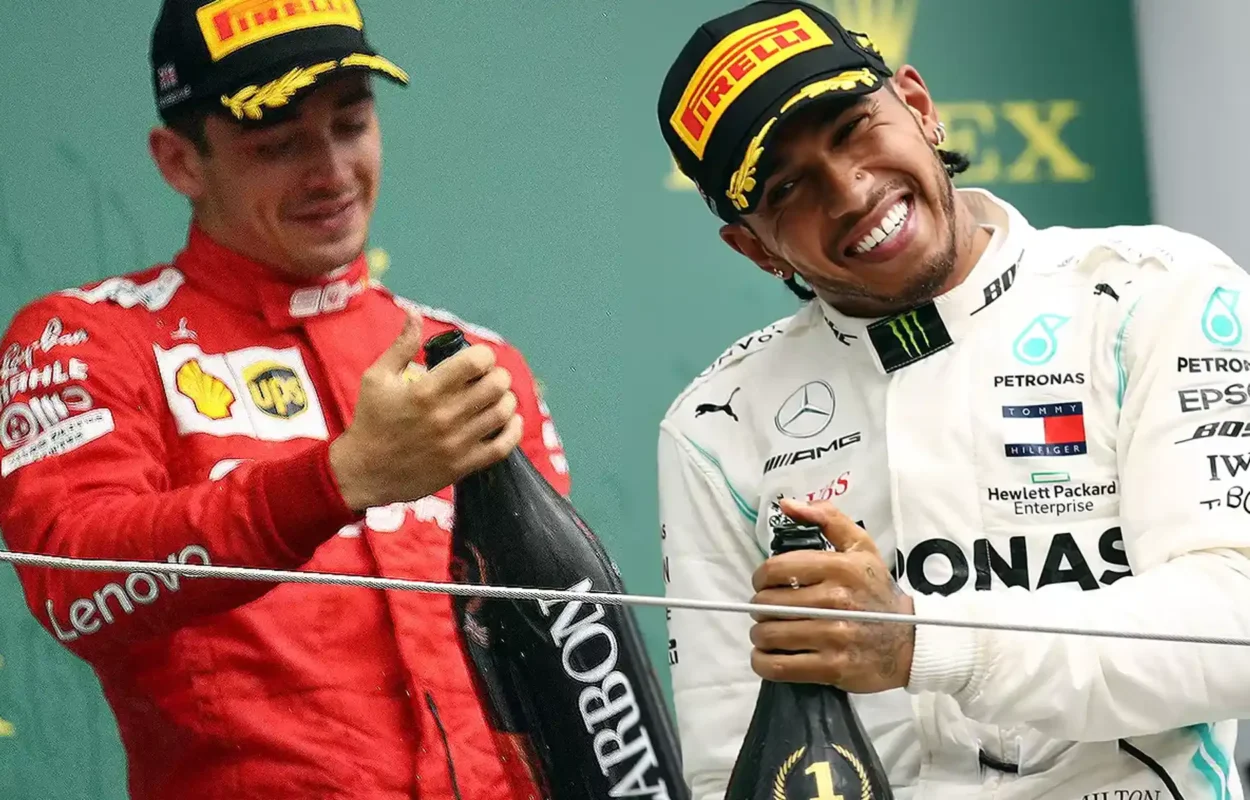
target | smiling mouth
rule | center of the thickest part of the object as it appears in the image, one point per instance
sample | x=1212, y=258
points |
x=886, y=229
x=324, y=214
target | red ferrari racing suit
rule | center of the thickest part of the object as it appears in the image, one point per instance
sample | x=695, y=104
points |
x=184, y=414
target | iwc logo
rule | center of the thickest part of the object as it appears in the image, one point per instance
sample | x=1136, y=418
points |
x=830, y=780
x=807, y=412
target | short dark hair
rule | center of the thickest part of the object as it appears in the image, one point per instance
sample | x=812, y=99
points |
x=192, y=124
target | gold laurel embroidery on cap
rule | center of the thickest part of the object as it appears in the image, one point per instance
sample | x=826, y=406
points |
x=865, y=41
x=743, y=180
x=842, y=82
x=865, y=791
x=376, y=63
x=779, y=785
x=251, y=100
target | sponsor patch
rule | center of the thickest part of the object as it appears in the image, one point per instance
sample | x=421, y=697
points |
x=1049, y=429
x=276, y=389
x=807, y=411
x=739, y=60
x=909, y=337
x=18, y=358
x=153, y=295
x=1048, y=497
x=210, y=394
x=258, y=392
x=49, y=375
x=22, y=422
x=61, y=438
x=311, y=301
x=230, y=25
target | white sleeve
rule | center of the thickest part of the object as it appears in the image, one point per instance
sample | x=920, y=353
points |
x=1186, y=526
x=709, y=554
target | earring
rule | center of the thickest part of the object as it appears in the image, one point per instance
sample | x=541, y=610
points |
x=940, y=134
x=778, y=273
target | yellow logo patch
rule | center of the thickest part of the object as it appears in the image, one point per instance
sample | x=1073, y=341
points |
x=212, y=398
x=739, y=60
x=276, y=389
x=230, y=25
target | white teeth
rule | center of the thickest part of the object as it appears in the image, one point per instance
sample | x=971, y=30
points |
x=890, y=224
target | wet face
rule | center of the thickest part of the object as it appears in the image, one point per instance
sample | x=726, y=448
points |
x=297, y=195
x=859, y=204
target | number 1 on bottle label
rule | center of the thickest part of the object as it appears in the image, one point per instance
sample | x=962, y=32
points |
x=824, y=781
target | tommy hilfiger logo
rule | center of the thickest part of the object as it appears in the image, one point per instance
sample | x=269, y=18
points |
x=1049, y=429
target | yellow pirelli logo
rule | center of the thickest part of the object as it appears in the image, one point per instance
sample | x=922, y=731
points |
x=739, y=60
x=230, y=25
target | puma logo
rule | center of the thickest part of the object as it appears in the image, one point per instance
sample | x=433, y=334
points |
x=710, y=408
x=1103, y=288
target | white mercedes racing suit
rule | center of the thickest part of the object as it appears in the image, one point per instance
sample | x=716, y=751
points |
x=1062, y=440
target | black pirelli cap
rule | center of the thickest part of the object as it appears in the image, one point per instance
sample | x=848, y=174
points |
x=739, y=75
x=252, y=59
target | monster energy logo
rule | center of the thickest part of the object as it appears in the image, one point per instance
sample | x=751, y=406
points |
x=905, y=329
x=909, y=337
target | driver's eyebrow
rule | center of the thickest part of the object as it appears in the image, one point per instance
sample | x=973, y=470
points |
x=357, y=96
x=782, y=164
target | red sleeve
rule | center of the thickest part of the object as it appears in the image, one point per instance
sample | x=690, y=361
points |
x=82, y=474
x=540, y=442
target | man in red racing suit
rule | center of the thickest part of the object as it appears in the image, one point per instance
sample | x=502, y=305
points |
x=265, y=411
x=184, y=414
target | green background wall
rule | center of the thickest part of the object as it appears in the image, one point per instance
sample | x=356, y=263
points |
x=526, y=188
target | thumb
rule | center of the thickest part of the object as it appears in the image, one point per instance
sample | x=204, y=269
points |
x=838, y=528
x=396, y=358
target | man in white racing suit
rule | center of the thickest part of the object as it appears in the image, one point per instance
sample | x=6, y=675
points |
x=990, y=422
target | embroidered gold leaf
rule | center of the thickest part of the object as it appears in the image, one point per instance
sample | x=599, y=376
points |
x=251, y=101
x=376, y=63
x=743, y=180
x=842, y=82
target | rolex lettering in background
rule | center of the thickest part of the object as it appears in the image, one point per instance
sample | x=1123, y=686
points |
x=805, y=741
x=571, y=682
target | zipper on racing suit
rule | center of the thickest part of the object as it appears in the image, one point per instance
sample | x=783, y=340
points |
x=442, y=732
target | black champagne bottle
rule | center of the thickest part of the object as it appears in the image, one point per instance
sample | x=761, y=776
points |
x=805, y=741
x=570, y=680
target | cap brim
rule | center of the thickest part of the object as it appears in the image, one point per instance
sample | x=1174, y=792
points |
x=279, y=88
x=747, y=181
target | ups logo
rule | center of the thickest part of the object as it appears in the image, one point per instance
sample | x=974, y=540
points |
x=276, y=389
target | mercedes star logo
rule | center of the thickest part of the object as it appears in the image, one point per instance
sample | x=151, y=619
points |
x=807, y=412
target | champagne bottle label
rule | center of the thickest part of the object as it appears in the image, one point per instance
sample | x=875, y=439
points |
x=606, y=701
x=829, y=772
